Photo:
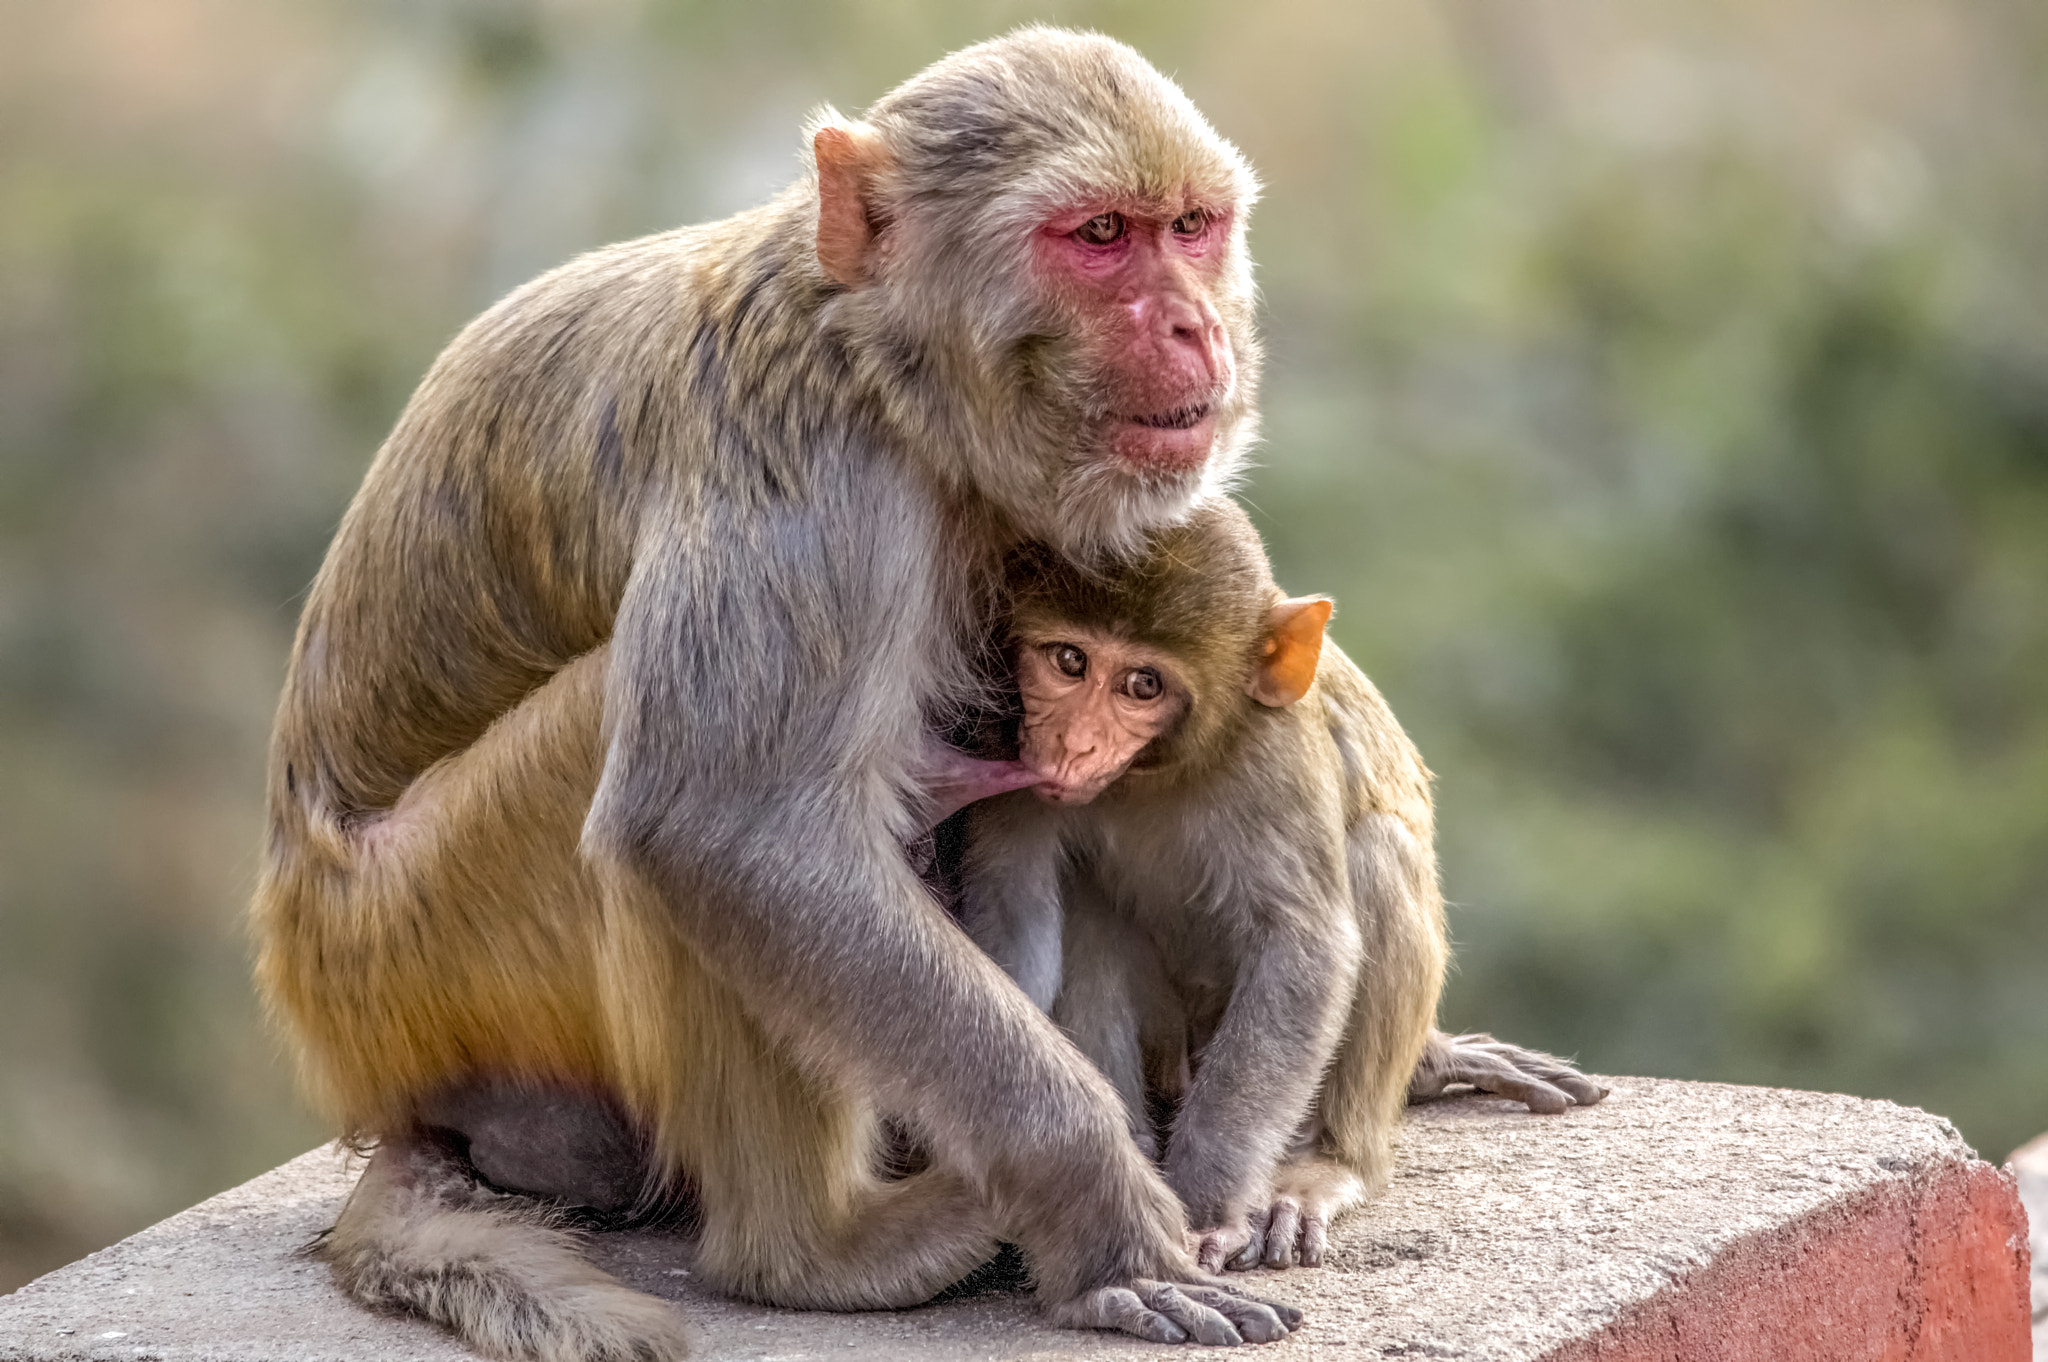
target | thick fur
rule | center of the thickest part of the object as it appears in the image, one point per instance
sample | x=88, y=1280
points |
x=591, y=767
x=417, y=1234
x=1258, y=889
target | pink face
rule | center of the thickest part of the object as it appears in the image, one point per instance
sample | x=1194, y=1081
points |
x=1138, y=278
x=1091, y=703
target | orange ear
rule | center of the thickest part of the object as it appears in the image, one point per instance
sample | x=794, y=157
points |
x=1294, y=644
x=847, y=159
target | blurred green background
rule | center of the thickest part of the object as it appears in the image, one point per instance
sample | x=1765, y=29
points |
x=1661, y=388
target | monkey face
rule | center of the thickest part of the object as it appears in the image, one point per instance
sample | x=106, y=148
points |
x=1139, y=279
x=1092, y=702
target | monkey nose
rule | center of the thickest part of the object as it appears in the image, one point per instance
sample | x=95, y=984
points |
x=1193, y=327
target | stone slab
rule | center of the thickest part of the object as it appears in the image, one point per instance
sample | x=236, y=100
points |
x=1676, y=1220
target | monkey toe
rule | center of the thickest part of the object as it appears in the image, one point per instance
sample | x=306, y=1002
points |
x=1533, y=1093
x=1203, y=1323
x=1215, y=1248
x=1281, y=1234
x=1119, y=1308
x=1544, y=1083
x=1258, y=1320
x=1583, y=1090
x=1315, y=1239
x=1170, y=1312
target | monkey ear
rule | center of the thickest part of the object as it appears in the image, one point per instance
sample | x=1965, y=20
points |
x=1294, y=645
x=847, y=159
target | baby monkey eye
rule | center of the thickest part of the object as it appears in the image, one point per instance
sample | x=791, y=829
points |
x=1101, y=229
x=1069, y=660
x=1190, y=223
x=1143, y=684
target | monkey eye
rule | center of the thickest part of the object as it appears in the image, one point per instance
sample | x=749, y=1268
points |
x=1102, y=229
x=1142, y=683
x=1069, y=660
x=1190, y=223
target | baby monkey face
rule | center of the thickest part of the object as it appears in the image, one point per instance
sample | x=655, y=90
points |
x=1092, y=702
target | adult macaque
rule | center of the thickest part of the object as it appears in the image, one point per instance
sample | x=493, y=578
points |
x=774, y=464
x=1251, y=888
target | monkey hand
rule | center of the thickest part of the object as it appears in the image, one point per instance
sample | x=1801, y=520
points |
x=1197, y=1307
x=1294, y=1226
x=1545, y=1083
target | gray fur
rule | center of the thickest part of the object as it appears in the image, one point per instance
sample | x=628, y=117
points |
x=760, y=514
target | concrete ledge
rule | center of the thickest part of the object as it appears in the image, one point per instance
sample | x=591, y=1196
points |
x=1674, y=1221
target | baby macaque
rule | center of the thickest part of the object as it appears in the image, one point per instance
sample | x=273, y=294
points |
x=1225, y=890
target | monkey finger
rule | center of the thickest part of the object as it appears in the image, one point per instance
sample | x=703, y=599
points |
x=1207, y=1326
x=1118, y=1308
x=1282, y=1233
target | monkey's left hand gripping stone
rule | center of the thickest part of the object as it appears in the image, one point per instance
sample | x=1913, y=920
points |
x=1683, y=1222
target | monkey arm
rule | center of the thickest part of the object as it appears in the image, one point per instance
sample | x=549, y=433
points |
x=763, y=710
x=1258, y=1073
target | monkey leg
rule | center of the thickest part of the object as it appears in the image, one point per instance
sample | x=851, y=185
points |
x=786, y=1166
x=439, y=964
x=451, y=936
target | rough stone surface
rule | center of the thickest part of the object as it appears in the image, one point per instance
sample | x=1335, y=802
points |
x=1676, y=1220
x=2030, y=1163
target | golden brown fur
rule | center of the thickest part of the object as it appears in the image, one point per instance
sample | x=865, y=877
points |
x=596, y=752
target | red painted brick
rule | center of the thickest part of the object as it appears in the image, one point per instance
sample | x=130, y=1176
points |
x=1929, y=1268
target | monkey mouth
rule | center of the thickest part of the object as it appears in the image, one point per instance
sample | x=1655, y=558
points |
x=1180, y=418
x=1171, y=443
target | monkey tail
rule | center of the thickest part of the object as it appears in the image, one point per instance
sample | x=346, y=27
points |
x=418, y=1235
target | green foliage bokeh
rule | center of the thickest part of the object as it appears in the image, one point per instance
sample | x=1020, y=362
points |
x=1662, y=391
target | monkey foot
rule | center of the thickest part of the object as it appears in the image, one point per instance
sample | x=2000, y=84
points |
x=1545, y=1083
x=1176, y=1312
x=1294, y=1227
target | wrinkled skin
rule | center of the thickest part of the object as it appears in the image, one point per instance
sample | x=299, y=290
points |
x=1091, y=704
x=1145, y=272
